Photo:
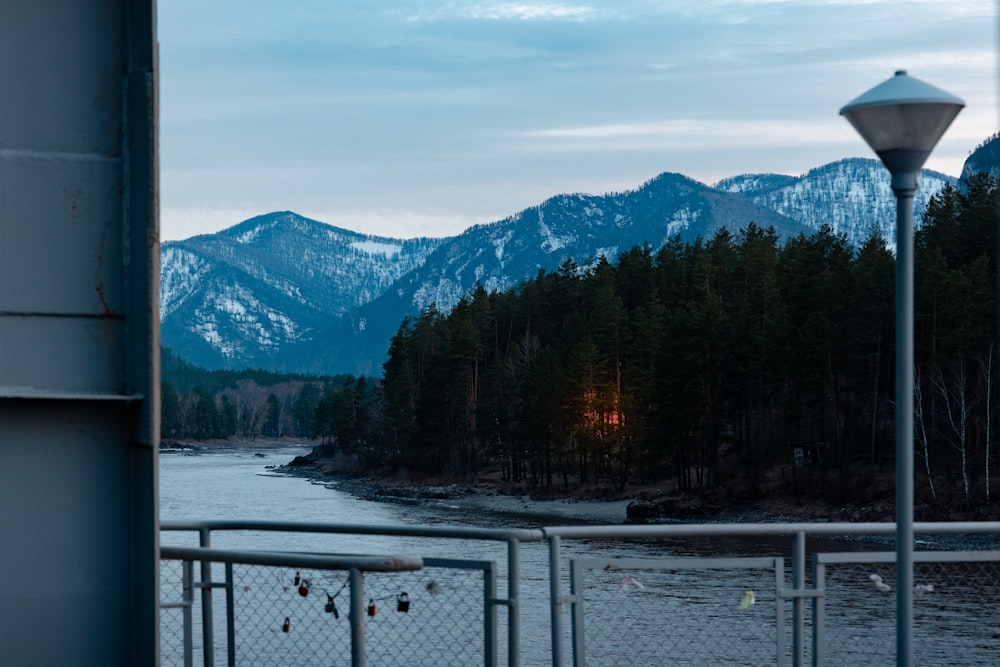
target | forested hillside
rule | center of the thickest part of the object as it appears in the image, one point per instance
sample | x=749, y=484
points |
x=197, y=404
x=709, y=363
x=705, y=365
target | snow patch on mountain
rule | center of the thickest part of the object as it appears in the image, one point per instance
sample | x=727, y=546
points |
x=499, y=244
x=237, y=308
x=682, y=219
x=551, y=242
x=179, y=278
x=252, y=233
x=445, y=293
x=377, y=248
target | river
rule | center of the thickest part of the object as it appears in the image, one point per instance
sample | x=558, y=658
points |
x=688, y=616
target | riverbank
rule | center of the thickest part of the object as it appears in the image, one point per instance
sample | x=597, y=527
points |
x=594, y=503
x=489, y=493
x=481, y=498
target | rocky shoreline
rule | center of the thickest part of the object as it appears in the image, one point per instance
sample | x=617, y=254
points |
x=642, y=506
x=489, y=497
x=462, y=497
x=596, y=512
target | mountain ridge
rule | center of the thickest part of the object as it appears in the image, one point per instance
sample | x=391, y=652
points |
x=287, y=293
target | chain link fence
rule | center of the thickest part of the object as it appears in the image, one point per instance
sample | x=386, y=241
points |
x=440, y=615
x=690, y=610
x=173, y=609
x=696, y=611
x=956, y=608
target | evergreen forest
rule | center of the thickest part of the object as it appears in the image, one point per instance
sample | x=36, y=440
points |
x=698, y=366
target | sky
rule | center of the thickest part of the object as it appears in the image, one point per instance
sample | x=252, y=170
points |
x=406, y=118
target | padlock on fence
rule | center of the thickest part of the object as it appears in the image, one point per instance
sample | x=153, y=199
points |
x=304, y=587
x=403, y=602
x=372, y=609
x=331, y=606
x=287, y=625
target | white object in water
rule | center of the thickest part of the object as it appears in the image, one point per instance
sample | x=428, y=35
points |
x=879, y=584
x=629, y=581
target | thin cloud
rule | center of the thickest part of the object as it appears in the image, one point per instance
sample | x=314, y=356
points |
x=522, y=11
x=527, y=11
x=689, y=132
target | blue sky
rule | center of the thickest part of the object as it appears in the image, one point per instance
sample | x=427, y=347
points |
x=421, y=118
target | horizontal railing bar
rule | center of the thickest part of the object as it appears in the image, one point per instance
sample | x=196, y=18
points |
x=678, y=563
x=793, y=593
x=849, y=557
x=292, y=559
x=742, y=529
x=202, y=584
x=450, y=532
x=460, y=564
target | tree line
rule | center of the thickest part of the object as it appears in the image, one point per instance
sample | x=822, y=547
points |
x=702, y=363
x=709, y=361
x=200, y=404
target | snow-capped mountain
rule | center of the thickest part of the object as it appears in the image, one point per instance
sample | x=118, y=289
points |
x=504, y=253
x=239, y=298
x=291, y=294
x=853, y=196
x=579, y=227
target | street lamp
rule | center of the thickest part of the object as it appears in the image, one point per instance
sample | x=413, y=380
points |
x=902, y=119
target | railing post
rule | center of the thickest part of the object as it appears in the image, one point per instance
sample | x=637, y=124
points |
x=357, y=618
x=819, y=614
x=230, y=618
x=514, y=604
x=798, y=603
x=555, y=595
x=490, y=616
x=207, y=629
x=188, y=604
x=578, y=614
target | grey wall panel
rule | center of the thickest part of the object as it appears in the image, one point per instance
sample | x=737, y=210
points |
x=63, y=574
x=62, y=354
x=79, y=334
x=65, y=215
x=60, y=56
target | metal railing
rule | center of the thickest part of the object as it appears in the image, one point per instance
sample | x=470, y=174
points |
x=957, y=595
x=487, y=650
x=356, y=566
x=794, y=594
x=731, y=609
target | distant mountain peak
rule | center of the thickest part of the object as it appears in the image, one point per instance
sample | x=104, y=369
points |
x=288, y=293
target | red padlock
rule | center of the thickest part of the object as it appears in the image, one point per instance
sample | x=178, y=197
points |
x=372, y=609
x=304, y=587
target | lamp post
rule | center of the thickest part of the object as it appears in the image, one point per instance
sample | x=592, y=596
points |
x=902, y=119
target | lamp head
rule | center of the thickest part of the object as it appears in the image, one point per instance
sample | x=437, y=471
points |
x=902, y=119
